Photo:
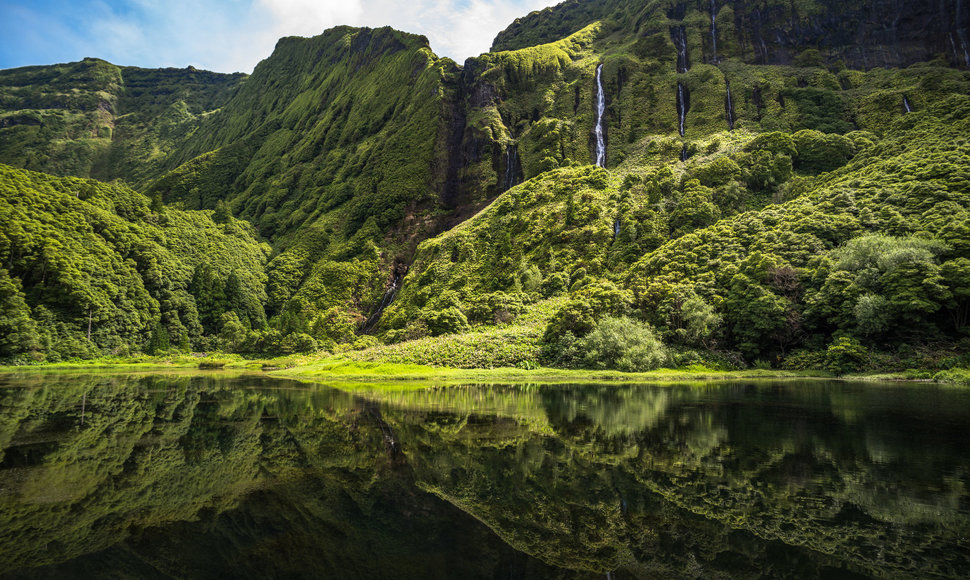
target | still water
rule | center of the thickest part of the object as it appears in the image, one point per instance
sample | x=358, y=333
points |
x=221, y=476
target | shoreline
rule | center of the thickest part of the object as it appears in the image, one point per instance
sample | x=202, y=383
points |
x=410, y=375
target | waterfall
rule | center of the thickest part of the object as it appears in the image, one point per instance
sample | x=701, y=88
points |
x=616, y=228
x=389, y=295
x=679, y=36
x=600, y=110
x=681, y=106
x=729, y=105
x=714, y=30
x=511, y=158
x=961, y=32
x=684, y=154
x=906, y=105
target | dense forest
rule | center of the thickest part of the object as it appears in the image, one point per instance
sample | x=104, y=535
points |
x=784, y=183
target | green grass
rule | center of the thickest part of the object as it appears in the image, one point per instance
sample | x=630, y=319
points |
x=348, y=370
x=354, y=375
x=176, y=361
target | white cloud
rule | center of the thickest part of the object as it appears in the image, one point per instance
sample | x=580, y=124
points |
x=310, y=17
x=234, y=35
x=455, y=28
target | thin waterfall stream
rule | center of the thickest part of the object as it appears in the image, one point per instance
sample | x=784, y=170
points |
x=961, y=34
x=713, y=31
x=389, y=296
x=511, y=159
x=906, y=105
x=681, y=106
x=600, y=110
x=679, y=36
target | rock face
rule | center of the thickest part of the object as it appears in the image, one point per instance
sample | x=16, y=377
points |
x=862, y=34
x=349, y=149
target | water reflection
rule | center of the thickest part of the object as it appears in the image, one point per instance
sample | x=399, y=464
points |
x=214, y=476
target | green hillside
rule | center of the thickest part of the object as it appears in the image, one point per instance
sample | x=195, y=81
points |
x=91, y=268
x=785, y=183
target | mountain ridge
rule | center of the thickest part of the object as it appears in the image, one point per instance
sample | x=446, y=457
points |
x=352, y=151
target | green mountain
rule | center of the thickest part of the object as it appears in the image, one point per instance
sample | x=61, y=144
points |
x=779, y=176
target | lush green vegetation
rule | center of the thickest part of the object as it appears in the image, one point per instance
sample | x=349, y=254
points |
x=407, y=210
x=91, y=269
x=202, y=475
x=95, y=119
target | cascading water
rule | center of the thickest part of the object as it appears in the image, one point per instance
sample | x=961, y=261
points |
x=714, y=31
x=681, y=107
x=389, y=295
x=511, y=159
x=616, y=228
x=962, y=33
x=729, y=106
x=600, y=110
x=908, y=108
x=679, y=35
x=684, y=153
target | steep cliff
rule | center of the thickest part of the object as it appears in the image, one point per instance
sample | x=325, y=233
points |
x=861, y=34
x=348, y=150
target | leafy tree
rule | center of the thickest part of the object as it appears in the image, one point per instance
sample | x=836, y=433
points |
x=18, y=332
x=160, y=340
x=298, y=343
x=845, y=355
x=233, y=335
x=623, y=344
x=701, y=321
x=449, y=320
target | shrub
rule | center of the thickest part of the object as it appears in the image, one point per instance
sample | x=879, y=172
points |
x=845, y=355
x=774, y=142
x=298, y=342
x=623, y=344
x=818, y=152
x=958, y=376
x=447, y=321
x=556, y=284
x=562, y=351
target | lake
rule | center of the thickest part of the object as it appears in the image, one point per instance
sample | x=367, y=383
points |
x=193, y=475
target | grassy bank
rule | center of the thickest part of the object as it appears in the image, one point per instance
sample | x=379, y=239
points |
x=179, y=361
x=357, y=371
x=324, y=368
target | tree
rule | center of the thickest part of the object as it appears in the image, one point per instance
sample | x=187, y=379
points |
x=700, y=319
x=845, y=355
x=956, y=277
x=449, y=320
x=624, y=344
x=18, y=332
x=160, y=340
x=233, y=335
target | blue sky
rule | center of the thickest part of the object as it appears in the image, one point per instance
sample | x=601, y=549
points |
x=230, y=35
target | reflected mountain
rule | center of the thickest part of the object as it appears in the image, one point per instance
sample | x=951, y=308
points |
x=199, y=476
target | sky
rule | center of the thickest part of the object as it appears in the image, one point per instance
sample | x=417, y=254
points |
x=231, y=35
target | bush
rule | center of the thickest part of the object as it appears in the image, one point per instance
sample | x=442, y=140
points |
x=818, y=152
x=774, y=142
x=447, y=321
x=623, y=344
x=562, y=351
x=804, y=360
x=846, y=355
x=958, y=376
x=298, y=342
x=578, y=315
